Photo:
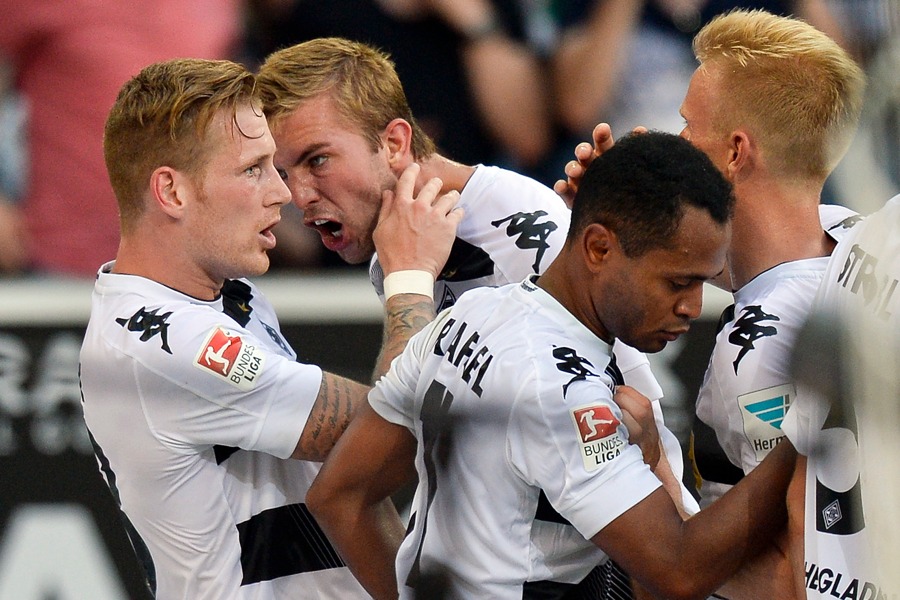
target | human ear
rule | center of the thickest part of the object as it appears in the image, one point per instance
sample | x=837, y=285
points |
x=397, y=139
x=741, y=148
x=598, y=244
x=170, y=189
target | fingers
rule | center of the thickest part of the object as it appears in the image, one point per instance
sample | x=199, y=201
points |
x=584, y=152
x=575, y=171
x=445, y=203
x=603, y=138
x=406, y=183
x=561, y=187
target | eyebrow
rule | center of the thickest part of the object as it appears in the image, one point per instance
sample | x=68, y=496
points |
x=307, y=152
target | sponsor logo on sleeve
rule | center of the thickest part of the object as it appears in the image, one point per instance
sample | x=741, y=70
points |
x=597, y=428
x=228, y=356
x=762, y=412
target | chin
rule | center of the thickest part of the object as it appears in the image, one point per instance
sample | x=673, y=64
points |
x=647, y=346
x=257, y=267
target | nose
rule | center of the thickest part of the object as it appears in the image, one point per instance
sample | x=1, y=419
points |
x=690, y=305
x=303, y=195
x=281, y=194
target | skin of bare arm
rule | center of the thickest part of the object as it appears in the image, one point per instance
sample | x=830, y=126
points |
x=413, y=232
x=778, y=572
x=675, y=558
x=338, y=402
x=501, y=71
x=588, y=65
x=372, y=461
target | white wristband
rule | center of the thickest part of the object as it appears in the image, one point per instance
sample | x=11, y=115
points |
x=409, y=282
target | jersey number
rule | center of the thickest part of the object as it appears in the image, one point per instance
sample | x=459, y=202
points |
x=436, y=427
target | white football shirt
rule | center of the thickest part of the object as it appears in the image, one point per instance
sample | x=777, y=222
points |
x=515, y=226
x=521, y=454
x=194, y=415
x=747, y=387
x=861, y=287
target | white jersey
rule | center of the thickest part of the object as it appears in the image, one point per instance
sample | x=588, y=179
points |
x=515, y=226
x=747, y=387
x=861, y=286
x=521, y=454
x=194, y=415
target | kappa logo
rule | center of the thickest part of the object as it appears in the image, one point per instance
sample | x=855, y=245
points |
x=529, y=234
x=748, y=329
x=226, y=355
x=595, y=422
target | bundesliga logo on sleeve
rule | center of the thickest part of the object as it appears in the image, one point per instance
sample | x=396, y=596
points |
x=597, y=428
x=226, y=355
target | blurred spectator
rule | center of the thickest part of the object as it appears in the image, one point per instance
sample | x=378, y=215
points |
x=12, y=170
x=68, y=61
x=871, y=169
x=473, y=78
x=628, y=62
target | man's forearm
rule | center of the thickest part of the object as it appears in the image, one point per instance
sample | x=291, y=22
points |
x=368, y=542
x=405, y=315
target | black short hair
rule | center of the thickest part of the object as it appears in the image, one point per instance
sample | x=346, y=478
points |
x=639, y=187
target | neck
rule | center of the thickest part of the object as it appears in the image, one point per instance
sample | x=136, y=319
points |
x=454, y=175
x=773, y=224
x=152, y=262
x=557, y=281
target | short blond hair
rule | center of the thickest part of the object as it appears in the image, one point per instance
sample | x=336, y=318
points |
x=160, y=118
x=362, y=79
x=799, y=91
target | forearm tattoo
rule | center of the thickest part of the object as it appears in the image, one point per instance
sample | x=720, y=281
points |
x=338, y=401
x=405, y=316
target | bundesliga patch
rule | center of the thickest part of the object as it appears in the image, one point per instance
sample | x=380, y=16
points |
x=597, y=428
x=763, y=412
x=226, y=355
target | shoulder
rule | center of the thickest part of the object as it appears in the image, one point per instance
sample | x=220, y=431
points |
x=496, y=192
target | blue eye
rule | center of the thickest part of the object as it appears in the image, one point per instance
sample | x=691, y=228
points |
x=253, y=171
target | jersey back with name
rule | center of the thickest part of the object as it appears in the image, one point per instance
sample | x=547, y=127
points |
x=520, y=447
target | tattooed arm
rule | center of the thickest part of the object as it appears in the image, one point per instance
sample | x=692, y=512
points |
x=338, y=401
x=405, y=315
x=415, y=231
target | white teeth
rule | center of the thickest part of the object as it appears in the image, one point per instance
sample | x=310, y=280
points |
x=320, y=222
x=337, y=233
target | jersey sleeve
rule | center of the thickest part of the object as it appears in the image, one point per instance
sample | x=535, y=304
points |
x=520, y=223
x=804, y=419
x=635, y=368
x=219, y=385
x=574, y=446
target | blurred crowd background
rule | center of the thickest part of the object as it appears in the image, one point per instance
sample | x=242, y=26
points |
x=517, y=89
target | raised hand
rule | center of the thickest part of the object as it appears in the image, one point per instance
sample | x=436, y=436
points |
x=416, y=232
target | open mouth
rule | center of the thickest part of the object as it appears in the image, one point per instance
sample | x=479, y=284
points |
x=326, y=227
x=268, y=236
